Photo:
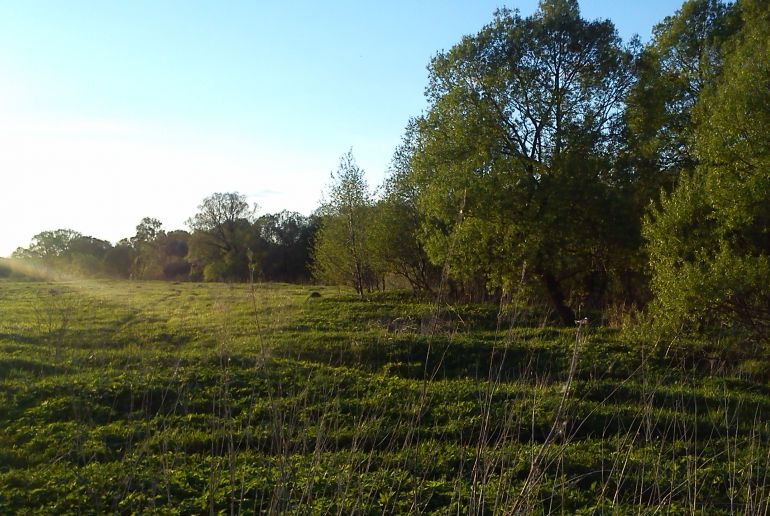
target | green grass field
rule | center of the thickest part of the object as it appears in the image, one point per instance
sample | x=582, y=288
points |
x=144, y=397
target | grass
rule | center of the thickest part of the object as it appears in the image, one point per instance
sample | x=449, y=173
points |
x=191, y=398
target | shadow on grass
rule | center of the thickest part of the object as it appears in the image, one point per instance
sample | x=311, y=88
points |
x=11, y=365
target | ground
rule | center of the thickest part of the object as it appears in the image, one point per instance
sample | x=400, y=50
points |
x=122, y=396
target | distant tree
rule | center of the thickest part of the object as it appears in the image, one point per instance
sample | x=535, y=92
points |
x=5, y=268
x=285, y=249
x=223, y=235
x=171, y=252
x=87, y=245
x=219, y=216
x=48, y=245
x=147, y=231
x=67, y=251
x=119, y=260
x=156, y=254
x=342, y=252
x=86, y=256
x=145, y=260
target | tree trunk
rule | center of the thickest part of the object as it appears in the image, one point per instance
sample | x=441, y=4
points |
x=556, y=298
x=358, y=279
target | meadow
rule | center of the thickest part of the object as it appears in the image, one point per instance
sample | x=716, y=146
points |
x=187, y=398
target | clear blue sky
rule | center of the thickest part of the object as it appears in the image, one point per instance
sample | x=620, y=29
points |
x=113, y=111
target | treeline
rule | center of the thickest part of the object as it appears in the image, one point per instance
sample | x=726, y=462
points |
x=226, y=242
x=554, y=160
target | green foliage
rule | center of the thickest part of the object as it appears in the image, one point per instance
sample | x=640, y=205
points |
x=710, y=240
x=683, y=59
x=515, y=156
x=158, y=397
x=49, y=244
x=227, y=244
x=398, y=220
x=66, y=252
x=5, y=268
x=223, y=236
x=154, y=253
x=343, y=250
x=286, y=244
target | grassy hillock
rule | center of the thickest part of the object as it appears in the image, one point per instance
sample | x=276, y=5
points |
x=191, y=398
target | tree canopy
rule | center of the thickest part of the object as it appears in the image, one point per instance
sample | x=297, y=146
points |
x=342, y=252
x=515, y=155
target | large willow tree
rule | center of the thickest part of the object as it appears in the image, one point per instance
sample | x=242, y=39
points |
x=514, y=157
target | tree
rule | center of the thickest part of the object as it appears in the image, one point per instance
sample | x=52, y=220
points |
x=48, y=245
x=171, y=252
x=144, y=245
x=219, y=217
x=396, y=228
x=709, y=242
x=342, y=252
x=147, y=230
x=515, y=155
x=285, y=247
x=86, y=256
x=6, y=270
x=223, y=234
x=157, y=254
x=683, y=58
x=68, y=251
x=119, y=260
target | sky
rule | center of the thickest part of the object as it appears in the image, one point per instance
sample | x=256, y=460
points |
x=115, y=111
